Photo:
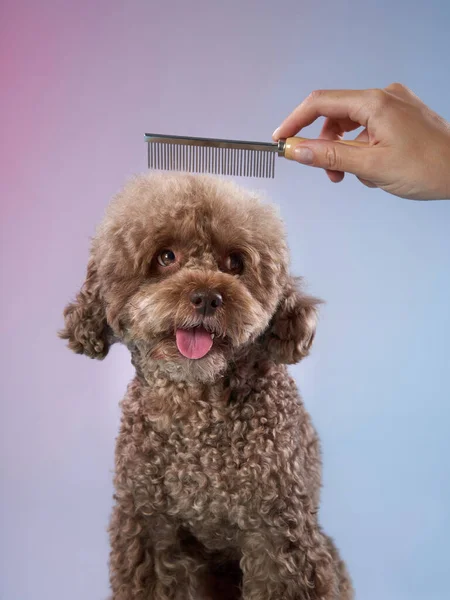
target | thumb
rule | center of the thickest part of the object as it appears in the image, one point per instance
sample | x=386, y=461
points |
x=333, y=156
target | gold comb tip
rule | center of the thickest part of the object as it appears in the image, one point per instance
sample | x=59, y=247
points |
x=209, y=155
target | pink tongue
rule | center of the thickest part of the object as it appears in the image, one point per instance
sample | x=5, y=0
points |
x=194, y=343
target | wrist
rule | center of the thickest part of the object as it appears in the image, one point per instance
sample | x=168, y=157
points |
x=447, y=176
x=441, y=188
x=446, y=169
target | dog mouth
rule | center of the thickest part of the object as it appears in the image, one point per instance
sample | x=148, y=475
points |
x=195, y=342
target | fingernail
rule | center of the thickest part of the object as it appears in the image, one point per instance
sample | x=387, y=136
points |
x=304, y=155
x=275, y=135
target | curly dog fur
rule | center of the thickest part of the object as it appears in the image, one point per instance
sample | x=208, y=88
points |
x=218, y=467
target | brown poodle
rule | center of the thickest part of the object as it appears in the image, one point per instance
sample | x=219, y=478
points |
x=218, y=468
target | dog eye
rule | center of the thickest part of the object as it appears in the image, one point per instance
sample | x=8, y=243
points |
x=234, y=263
x=166, y=258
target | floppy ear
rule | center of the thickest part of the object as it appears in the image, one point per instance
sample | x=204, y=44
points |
x=85, y=319
x=293, y=326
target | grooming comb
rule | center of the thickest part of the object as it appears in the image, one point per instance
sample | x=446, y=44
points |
x=220, y=157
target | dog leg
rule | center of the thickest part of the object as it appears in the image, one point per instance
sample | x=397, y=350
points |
x=132, y=562
x=302, y=567
x=148, y=560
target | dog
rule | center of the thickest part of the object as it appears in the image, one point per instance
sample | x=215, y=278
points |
x=217, y=464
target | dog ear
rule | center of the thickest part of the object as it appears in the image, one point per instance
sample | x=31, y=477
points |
x=292, y=328
x=85, y=319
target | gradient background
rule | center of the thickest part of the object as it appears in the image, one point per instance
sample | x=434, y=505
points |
x=81, y=82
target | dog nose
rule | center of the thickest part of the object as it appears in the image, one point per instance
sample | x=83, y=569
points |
x=206, y=302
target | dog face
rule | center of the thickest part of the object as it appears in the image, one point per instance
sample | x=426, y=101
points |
x=190, y=272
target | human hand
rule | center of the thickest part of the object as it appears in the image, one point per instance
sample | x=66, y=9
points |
x=408, y=145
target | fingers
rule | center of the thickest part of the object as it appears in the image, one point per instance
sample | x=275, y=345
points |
x=367, y=183
x=344, y=106
x=334, y=128
x=393, y=119
x=353, y=105
x=403, y=92
x=335, y=176
x=363, y=136
x=334, y=156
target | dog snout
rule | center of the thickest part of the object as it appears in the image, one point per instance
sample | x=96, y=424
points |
x=206, y=302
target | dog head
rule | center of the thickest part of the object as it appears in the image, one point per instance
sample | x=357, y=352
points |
x=190, y=272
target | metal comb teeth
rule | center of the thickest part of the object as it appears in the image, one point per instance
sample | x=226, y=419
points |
x=207, y=155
